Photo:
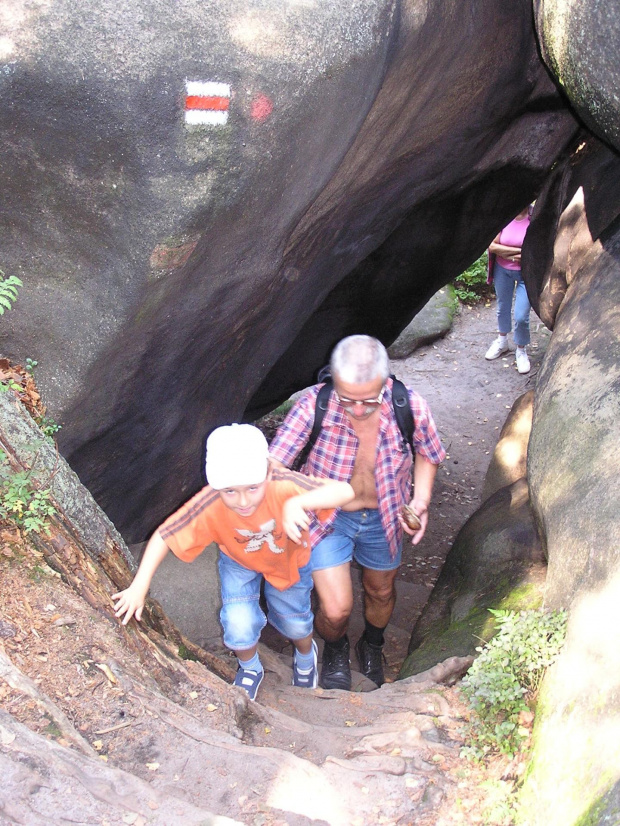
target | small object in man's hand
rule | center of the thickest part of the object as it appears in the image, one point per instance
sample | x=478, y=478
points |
x=411, y=518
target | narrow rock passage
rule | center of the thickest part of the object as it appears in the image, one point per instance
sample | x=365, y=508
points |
x=178, y=745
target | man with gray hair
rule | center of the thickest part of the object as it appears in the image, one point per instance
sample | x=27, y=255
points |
x=360, y=442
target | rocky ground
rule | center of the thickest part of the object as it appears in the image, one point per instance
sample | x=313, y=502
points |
x=87, y=737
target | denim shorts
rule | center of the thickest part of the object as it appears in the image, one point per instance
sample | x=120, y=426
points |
x=356, y=535
x=242, y=617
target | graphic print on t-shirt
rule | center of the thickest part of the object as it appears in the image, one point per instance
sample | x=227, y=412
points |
x=254, y=540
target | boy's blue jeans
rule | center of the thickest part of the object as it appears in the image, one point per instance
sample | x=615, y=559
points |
x=242, y=617
x=505, y=282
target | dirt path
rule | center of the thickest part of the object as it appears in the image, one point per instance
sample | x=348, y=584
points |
x=174, y=751
x=470, y=399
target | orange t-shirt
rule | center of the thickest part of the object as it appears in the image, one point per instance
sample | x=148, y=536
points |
x=257, y=542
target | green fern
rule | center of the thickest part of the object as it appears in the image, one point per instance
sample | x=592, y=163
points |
x=8, y=291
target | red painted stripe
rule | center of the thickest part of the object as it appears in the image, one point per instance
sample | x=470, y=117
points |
x=218, y=104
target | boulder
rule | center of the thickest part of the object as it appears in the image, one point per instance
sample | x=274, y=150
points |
x=496, y=561
x=509, y=461
x=187, y=267
x=574, y=448
x=580, y=43
x=574, y=775
x=432, y=322
x=573, y=466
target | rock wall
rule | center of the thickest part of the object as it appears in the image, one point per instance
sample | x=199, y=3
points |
x=189, y=266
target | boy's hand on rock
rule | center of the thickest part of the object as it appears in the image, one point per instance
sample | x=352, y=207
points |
x=129, y=603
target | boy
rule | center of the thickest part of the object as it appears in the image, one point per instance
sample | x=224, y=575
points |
x=258, y=518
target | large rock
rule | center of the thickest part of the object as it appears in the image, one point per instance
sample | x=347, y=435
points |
x=574, y=448
x=509, y=461
x=574, y=776
x=496, y=561
x=432, y=322
x=180, y=276
x=580, y=43
x=573, y=468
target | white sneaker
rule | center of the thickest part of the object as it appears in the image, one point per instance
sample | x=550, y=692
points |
x=496, y=349
x=523, y=362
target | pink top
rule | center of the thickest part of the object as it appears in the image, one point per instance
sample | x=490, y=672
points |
x=512, y=236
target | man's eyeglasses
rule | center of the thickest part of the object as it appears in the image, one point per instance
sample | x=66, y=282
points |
x=349, y=404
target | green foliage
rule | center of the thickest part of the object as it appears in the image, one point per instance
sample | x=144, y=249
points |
x=186, y=654
x=506, y=676
x=48, y=426
x=8, y=291
x=471, y=285
x=30, y=365
x=21, y=502
x=10, y=384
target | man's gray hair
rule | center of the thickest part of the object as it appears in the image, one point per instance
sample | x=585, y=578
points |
x=359, y=359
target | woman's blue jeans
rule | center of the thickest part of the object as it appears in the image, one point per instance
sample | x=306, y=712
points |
x=506, y=282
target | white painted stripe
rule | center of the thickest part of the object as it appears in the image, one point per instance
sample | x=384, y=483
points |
x=208, y=88
x=205, y=117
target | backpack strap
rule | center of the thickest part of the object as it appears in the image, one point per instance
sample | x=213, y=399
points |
x=400, y=404
x=320, y=408
x=402, y=413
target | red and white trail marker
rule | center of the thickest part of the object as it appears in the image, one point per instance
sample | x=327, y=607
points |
x=206, y=102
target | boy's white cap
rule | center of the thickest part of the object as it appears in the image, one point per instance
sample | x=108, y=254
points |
x=236, y=455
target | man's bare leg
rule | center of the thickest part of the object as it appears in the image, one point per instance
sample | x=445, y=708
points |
x=379, y=600
x=335, y=593
x=379, y=595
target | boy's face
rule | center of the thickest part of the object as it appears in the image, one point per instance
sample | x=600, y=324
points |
x=244, y=499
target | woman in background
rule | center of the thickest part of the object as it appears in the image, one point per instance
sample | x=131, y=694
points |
x=505, y=256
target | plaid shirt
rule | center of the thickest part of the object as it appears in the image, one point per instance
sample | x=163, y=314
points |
x=334, y=452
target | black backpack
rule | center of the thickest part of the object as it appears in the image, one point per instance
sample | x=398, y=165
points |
x=400, y=403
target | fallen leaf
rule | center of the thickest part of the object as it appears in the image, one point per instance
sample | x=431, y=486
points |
x=211, y=707
x=107, y=671
x=98, y=744
x=152, y=767
x=349, y=723
x=193, y=694
x=267, y=730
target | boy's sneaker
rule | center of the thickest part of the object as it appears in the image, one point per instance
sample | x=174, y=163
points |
x=249, y=681
x=336, y=670
x=498, y=348
x=370, y=658
x=303, y=678
x=523, y=362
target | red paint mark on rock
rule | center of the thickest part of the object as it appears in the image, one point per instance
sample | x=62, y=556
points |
x=217, y=104
x=261, y=108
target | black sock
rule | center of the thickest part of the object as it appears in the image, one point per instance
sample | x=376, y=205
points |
x=373, y=634
x=338, y=645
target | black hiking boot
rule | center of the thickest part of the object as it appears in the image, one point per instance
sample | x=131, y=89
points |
x=371, y=660
x=336, y=670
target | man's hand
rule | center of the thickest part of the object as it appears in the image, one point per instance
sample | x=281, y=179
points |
x=419, y=507
x=294, y=519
